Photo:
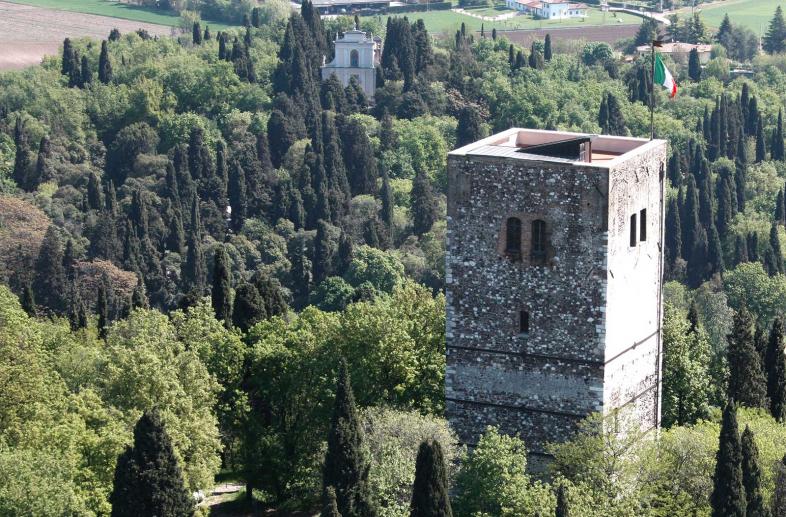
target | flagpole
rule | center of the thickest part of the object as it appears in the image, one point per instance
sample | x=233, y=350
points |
x=653, y=43
x=652, y=90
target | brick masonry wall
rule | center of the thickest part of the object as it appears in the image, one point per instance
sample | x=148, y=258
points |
x=539, y=385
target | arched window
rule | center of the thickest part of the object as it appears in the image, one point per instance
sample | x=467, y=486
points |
x=354, y=59
x=538, y=239
x=513, y=237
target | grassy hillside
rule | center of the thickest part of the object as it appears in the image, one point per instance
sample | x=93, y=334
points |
x=112, y=8
x=754, y=14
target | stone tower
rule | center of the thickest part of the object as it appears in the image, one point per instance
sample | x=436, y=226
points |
x=554, y=262
x=357, y=54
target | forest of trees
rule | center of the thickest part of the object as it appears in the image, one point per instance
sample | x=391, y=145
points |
x=214, y=261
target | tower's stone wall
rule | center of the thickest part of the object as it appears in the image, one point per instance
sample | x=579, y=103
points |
x=541, y=383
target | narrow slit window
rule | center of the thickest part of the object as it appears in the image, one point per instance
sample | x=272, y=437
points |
x=643, y=225
x=513, y=236
x=538, y=238
x=633, y=230
x=523, y=322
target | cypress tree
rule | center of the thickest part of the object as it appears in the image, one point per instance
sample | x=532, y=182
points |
x=345, y=254
x=779, y=495
x=196, y=34
x=494, y=37
x=776, y=148
x=50, y=280
x=728, y=494
x=358, y=158
x=751, y=476
x=237, y=195
x=774, y=41
x=323, y=254
x=85, y=74
x=104, y=65
x=746, y=378
x=779, y=213
x=148, y=479
x=272, y=296
x=470, y=126
x=67, y=58
x=371, y=232
x=386, y=194
x=753, y=247
x=77, y=317
x=300, y=273
x=222, y=46
x=698, y=263
x=176, y=235
x=775, y=363
x=424, y=210
x=28, y=301
x=207, y=36
x=22, y=160
x=616, y=122
x=690, y=223
x=221, y=295
x=726, y=205
x=102, y=308
x=563, y=507
x=715, y=260
x=69, y=260
x=674, y=172
x=740, y=250
x=673, y=232
x=94, y=195
x=330, y=506
x=248, y=308
x=194, y=267
x=346, y=466
x=388, y=138
x=43, y=171
x=546, y=47
x=256, y=18
x=281, y=135
x=430, y=491
x=535, y=58
x=775, y=244
x=694, y=66
x=761, y=150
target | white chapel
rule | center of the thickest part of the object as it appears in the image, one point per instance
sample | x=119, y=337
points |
x=357, y=54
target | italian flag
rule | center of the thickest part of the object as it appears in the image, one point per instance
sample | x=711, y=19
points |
x=663, y=76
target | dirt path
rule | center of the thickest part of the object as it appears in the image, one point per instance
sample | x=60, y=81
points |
x=29, y=33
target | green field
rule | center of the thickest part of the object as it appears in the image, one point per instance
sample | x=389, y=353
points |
x=114, y=9
x=448, y=21
x=754, y=14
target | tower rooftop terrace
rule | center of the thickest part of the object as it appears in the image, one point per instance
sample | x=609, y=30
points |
x=581, y=149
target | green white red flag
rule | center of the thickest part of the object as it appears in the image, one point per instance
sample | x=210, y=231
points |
x=663, y=77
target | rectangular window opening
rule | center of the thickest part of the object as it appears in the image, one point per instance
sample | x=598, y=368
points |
x=523, y=322
x=643, y=225
x=633, y=230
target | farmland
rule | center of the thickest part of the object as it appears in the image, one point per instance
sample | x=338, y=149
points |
x=448, y=21
x=110, y=8
x=28, y=33
x=754, y=14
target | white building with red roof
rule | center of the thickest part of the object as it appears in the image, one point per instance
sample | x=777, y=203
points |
x=550, y=9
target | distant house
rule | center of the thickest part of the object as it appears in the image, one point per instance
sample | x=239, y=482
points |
x=679, y=51
x=549, y=9
x=357, y=54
